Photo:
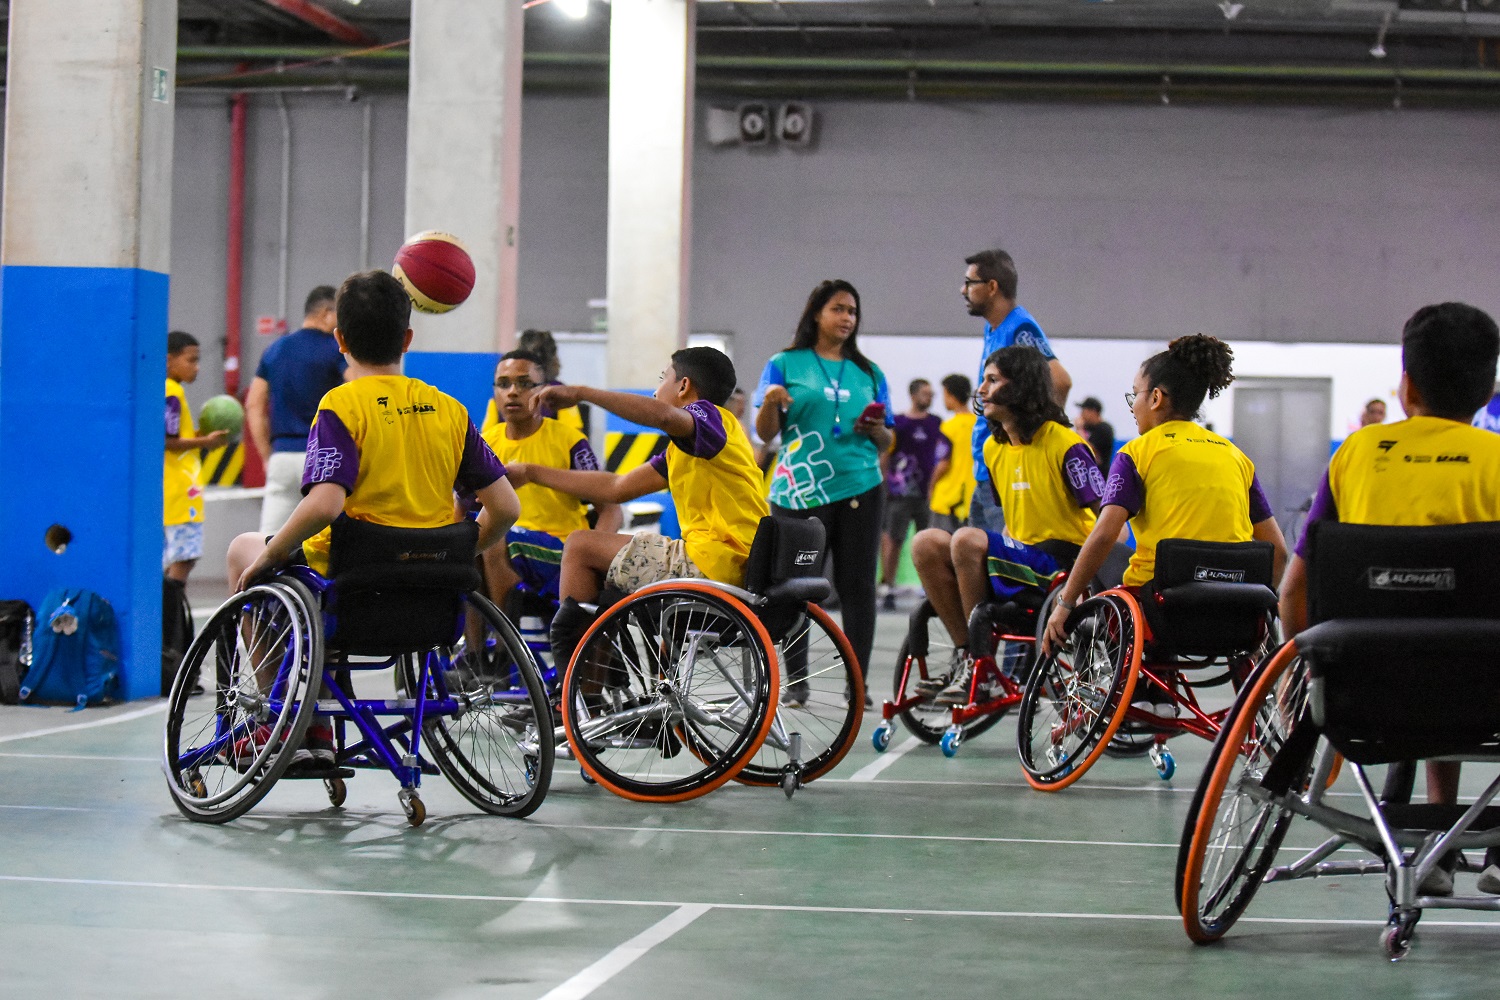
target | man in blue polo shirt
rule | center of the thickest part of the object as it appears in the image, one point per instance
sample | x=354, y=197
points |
x=294, y=375
x=990, y=293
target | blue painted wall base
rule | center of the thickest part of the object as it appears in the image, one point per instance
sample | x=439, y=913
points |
x=467, y=377
x=82, y=366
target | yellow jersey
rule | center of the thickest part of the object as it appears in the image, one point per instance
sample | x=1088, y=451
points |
x=1180, y=480
x=716, y=486
x=951, y=494
x=1047, y=488
x=557, y=446
x=182, y=497
x=399, y=448
x=1422, y=470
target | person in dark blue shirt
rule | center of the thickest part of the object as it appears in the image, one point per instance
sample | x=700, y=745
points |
x=990, y=293
x=293, y=376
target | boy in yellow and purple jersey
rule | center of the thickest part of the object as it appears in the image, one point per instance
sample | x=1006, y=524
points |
x=532, y=553
x=1177, y=479
x=953, y=476
x=709, y=466
x=1434, y=467
x=383, y=448
x=1044, y=478
x=182, y=496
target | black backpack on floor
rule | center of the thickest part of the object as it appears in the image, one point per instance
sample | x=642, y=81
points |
x=176, y=629
x=16, y=620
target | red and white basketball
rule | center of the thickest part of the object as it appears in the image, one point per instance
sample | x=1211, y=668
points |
x=436, y=271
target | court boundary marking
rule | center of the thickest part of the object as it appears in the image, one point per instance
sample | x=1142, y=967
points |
x=137, y=713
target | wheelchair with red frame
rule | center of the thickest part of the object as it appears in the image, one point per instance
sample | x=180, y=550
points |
x=684, y=685
x=1133, y=666
x=1401, y=663
x=469, y=702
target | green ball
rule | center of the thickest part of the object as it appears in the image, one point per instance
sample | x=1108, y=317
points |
x=222, y=413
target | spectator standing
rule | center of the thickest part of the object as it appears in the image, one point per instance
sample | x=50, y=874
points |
x=989, y=291
x=1091, y=426
x=182, y=496
x=1374, y=413
x=919, y=444
x=293, y=376
x=953, y=477
x=818, y=394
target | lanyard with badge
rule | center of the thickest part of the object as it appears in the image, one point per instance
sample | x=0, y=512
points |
x=837, y=387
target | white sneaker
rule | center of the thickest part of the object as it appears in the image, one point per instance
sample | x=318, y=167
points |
x=1489, y=880
x=957, y=692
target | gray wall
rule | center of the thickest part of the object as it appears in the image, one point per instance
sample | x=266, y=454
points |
x=1252, y=223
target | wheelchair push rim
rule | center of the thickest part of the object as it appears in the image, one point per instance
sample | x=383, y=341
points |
x=651, y=687
x=216, y=766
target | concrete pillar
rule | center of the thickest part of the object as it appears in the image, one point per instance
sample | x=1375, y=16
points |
x=84, y=253
x=651, y=55
x=463, y=176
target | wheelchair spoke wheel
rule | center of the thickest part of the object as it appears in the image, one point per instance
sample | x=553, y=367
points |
x=1075, y=699
x=926, y=720
x=224, y=749
x=1235, y=826
x=823, y=700
x=496, y=749
x=674, y=667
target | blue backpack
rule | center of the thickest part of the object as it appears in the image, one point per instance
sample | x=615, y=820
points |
x=75, y=651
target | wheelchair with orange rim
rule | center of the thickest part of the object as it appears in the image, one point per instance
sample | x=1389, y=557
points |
x=1129, y=676
x=1401, y=663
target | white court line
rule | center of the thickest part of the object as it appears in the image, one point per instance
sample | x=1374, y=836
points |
x=160, y=706
x=678, y=904
x=611, y=965
x=80, y=756
x=849, y=836
x=885, y=760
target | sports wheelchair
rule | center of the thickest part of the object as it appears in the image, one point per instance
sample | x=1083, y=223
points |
x=1402, y=662
x=699, y=666
x=1209, y=608
x=469, y=703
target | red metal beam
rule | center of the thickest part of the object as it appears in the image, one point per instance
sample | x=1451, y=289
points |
x=325, y=21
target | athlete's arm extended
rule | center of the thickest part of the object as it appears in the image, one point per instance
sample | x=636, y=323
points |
x=1096, y=549
x=322, y=503
x=593, y=487
x=501, y=508
x=646, y=410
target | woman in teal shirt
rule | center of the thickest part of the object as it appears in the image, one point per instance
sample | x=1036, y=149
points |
x=815, y=394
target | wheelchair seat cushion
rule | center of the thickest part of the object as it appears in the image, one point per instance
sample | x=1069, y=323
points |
x=1399, y=689
x=398, y=590
x=785, y=549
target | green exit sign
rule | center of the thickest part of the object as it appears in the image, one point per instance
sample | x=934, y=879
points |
x=161, y=84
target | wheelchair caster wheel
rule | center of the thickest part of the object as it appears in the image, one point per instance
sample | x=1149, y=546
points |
x=195, y=785
x=588, y=779
x=415, y=811
x=881, y=738
x=1166, y=764
x=1395, y=939
x=337, y=791
x=789, y=784
x=950, y=742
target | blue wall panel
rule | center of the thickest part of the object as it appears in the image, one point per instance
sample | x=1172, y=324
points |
x=82, y=364
x=469, y=378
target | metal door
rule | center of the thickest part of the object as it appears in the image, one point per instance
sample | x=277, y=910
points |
x=1283, y=425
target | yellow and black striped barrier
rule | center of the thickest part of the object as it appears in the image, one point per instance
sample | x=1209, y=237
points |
x=624, y=451
x=223, y=466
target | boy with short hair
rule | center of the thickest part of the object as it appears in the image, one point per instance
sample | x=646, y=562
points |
x=182, y=496
x=709, y=466
x=1448, y=361
x=384, y=448
x=533, y=548
x=953, y=476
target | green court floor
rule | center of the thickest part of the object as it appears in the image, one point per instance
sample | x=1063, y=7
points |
x=902, y=875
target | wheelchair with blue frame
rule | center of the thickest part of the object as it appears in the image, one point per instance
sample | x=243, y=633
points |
x=1401, y=663
x=469, y=703
x=1129, y=676
x=686, y=684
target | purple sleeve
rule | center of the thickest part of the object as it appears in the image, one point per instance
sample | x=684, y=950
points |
x=1124, y=487
x=332, y=455
x=174, y=416
x=1085, y=481
x=943, y=450
x=659, y=463
x=708, y=436
x=1260, y=506
x=1323, y=509
x=581, y=457
x=479, y=467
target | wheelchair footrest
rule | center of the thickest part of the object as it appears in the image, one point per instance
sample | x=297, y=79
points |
x=317, y=774
x=1429, y=816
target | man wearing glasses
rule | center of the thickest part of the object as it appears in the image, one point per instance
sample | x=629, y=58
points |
x=989, y=291
x=532, y=552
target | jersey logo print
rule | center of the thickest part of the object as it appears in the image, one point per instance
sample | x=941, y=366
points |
x=1078, y=473
x=322, y=463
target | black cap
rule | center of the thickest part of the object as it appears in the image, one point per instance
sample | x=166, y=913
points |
x=1090, y=403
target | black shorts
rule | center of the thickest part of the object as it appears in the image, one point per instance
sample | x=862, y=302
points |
x=903, y=512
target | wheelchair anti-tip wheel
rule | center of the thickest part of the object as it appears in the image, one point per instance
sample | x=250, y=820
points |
x=1076, y=697
x=1233, y=826
x=256, y=657
x=822, y=703
x=670, y=692
x=927, y=720
x=496, y=749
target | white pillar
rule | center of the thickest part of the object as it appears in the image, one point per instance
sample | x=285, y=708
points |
x=651, y=55
x=463, y=176
x=85, y=247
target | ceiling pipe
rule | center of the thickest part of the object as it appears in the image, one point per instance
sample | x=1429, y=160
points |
x=324, y=20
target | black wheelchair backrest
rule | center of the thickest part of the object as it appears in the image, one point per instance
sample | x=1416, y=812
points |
x=1379, y=571
x=1209, y=598
x=786, y=559
x=398, y=590
x=1184, y=560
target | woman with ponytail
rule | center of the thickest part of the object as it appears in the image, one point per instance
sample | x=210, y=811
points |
x=1177, y=479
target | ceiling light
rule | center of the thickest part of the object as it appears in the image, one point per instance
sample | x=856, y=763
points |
x=1231, y=10
x=576, y=9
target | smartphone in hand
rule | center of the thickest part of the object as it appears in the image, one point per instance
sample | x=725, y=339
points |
x=874, y=413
